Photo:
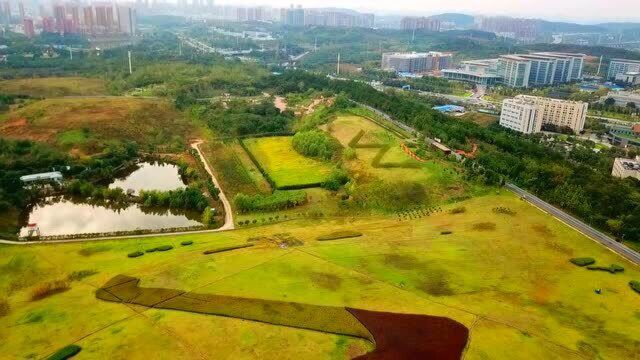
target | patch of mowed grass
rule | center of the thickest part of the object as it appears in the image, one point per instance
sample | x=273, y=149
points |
x=285, y=166
x=49, y=288
x=73, y=137
x=342, y=234
x=583, y=261
x=65, y=353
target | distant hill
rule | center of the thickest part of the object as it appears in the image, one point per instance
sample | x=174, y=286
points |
x=564, y=27
x=461, y=20
x=620, y=26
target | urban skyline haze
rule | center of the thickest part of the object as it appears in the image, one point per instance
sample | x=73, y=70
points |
x=581, y=11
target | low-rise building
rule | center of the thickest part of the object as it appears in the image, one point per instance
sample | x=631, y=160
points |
x=517, y=113
x=629, y=78
x=482, y=72
x=415, y=62
x=622, y=98
x=624, y=168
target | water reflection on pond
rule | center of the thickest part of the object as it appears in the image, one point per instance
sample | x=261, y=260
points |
x=58, y=216
x=150, y=176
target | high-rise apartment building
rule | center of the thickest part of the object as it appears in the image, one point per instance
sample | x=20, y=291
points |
x=127, y=20
x=5, y=13
x=415, y=63
x=88, y=21
x=621, y=67
x=519, y=29
x=21, y=9
x=294, y=16
x=29, y=29
x=517, y=113
x=48, y=24
x=420, y=23
x=60, y=14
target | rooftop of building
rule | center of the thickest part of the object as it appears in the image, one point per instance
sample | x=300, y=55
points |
x=472, y=73
x=53, y=175
x=514, y=57
x=410, y=55
x=560, y=54
x=630, y=164
x=532, y=97
x=627, y=60
x=480, y=62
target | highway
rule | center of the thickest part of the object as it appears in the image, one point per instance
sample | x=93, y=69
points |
x=587, y=230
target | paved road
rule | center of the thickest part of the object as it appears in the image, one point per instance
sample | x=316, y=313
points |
x=596, y=235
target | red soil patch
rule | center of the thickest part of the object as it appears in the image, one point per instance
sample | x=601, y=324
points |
x=409, y=336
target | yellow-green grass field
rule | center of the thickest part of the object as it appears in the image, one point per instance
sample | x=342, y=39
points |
x=506, y=277
x=440, y=176
x=54, y=86
x=84, y=125
x=284, y=165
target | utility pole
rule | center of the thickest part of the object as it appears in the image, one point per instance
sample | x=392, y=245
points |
x=413, y=36
x=70, y=53
x=180, y=48
x=599, y=65
x=129, y=55
x=315, y=44
x=338, y=69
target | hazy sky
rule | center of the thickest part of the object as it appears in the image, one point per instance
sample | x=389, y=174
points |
x=575, y=10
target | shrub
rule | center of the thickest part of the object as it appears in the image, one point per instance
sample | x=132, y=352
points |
x=226, y=248
x=339, y=235
x=446, y=232
x=315, y=144
x=136, y=254
x=164, y=248
x=635, y=285
x=277, y=201
x=79, y=275
x=65, y=353
x=151, y=250
x=583, y=261
x=612, y=269
x=349, y=153
x=337, y=178
x=186, y=243
x=49, y=288
x=458, y=210
x=503, y=210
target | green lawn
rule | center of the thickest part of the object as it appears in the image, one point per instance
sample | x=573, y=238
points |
x=511, y=283
x=284, y=165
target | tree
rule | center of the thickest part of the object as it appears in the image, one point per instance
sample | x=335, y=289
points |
x=609, y=102
x=631, y=105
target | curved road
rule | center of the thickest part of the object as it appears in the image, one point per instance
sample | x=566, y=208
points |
x=228, y=216
x=585, y=229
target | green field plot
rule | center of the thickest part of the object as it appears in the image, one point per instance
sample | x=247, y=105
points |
x=284, y=166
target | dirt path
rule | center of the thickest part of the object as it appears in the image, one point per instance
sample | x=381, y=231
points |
x=228, y=211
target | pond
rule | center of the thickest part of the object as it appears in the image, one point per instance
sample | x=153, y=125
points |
x=150, y=176
x=65, y=216
x=60, y=216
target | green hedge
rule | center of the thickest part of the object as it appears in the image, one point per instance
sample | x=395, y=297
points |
x=354, y=141
x=277, y=201
x=612, y=269
x=65, y=353
x=339, y=235
x=635, y=285
x=186, y=243
x=135, y=254
x=227, y=248
x=583, y=261
x=160, y=248
x=257, y=164
x=446, y=232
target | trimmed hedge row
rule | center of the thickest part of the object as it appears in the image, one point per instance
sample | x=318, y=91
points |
x=354, y=141
x=257, y=164
x=186, y=243
x=65, y=353
x=135, y=254
x=635, y=285
x=583, y=261
x=227, y=248
x=613, y=268
x=160, y=248
x=344, y=234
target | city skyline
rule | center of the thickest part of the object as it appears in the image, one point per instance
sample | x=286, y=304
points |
x=595, y=12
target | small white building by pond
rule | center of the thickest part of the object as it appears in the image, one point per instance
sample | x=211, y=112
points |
x=48, y=176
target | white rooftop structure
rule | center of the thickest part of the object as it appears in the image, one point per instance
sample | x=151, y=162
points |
x=53, y=175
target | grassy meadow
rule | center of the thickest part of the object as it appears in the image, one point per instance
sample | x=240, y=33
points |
x=506, y=276
x=284, y=165
x=54, y=87
x=85, y=125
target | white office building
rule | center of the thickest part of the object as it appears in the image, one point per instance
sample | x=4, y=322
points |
x=621, y=67
x=624, y=168
x=562, y=113
x=416, y=63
